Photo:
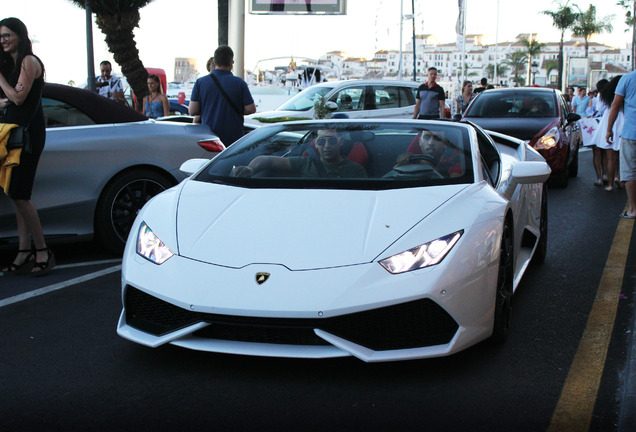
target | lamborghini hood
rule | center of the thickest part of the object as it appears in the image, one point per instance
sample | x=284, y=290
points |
x=301, y=229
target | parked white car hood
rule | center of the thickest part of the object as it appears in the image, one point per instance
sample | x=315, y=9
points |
x=298, y=228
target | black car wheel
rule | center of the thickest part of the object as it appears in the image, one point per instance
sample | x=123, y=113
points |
x=559, y=179
x=503, y=299
x=120, y=202
x=573, y=169
x=542, y=247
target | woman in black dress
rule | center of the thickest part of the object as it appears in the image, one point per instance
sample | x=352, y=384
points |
x=21, y=82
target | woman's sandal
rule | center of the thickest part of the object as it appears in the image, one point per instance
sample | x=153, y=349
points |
x=44, y=267
x=23, y=268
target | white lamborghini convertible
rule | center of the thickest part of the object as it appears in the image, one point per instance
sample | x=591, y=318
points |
x=384, y=240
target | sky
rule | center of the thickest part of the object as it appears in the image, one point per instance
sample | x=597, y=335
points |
x=188, y=28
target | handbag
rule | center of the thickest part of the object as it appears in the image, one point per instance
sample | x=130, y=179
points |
x=19, y=138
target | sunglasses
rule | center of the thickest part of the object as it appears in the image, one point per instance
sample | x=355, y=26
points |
x=5, y=36
x=331, y=141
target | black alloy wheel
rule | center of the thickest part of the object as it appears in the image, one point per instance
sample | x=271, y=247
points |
x=121, y=201
x=503, y=297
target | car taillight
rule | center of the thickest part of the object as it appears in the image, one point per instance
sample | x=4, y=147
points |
x=213, y=145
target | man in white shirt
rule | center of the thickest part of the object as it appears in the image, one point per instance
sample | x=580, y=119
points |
x=108, y=85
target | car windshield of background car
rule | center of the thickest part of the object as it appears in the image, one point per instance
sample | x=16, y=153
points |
x=372, y=157
x=304, y=100
x=493, y=104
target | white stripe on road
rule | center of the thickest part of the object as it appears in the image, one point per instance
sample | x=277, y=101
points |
x=84, y=264
x=91, y=263
x=59, y=286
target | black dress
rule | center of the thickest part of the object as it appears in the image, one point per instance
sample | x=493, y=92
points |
x=29, y=113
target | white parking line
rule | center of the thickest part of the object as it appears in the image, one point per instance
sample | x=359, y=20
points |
x=84, y=264
x=91, y=263
x=59, y=286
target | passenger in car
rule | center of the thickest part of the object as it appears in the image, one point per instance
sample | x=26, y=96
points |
x=434, y=144
x=539, y=108
x=346, y=103
x=330, y=164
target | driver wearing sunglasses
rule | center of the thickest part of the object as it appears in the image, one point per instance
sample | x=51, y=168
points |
x=330, y=164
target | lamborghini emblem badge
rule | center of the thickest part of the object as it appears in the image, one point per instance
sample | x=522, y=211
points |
x=262, y=277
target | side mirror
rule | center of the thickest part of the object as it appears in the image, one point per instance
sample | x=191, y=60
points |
x=191, y=166
x=530, y=172
x=457, y=117
x=332, y=106
x=526, y=173
x=572, y=117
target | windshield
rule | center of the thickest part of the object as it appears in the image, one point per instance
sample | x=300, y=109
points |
x=513, y=104
x=346, y=155
x=305, y=99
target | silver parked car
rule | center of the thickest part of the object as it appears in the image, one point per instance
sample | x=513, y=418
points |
x=356, y=98
x=101, y=163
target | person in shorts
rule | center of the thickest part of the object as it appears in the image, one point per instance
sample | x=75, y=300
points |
x=625, y=99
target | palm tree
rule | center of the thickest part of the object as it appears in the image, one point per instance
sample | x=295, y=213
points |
x=563, y=19
x=117, y=20
x=517, y=60
x=502, y=70
x=549, y=66
x=533, y=48
x=586, y=25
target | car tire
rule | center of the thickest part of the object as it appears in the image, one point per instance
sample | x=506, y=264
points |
x=560, y=178
x=542, y=247
x=503, y=294
x=573, y=169
x=121, y=200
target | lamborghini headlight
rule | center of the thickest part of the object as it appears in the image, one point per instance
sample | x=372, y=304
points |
x=422, y=256
x=548, y=140
x=151, y=247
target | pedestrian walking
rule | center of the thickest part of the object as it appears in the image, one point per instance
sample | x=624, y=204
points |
x=222, y=99
x=21, y=83
x=581, y=102
x=592, y=138
x=610, y=151
x=570, y=97
x=430, y=98
x=464, y=99
x=484, y=86
x=625, y=99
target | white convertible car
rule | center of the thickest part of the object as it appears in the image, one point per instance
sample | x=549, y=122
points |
x=384, y=240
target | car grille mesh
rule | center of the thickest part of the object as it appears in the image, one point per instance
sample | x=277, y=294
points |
x=155, y=316
x=408, y=325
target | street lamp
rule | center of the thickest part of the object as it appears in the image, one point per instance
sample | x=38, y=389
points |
x=534, y=68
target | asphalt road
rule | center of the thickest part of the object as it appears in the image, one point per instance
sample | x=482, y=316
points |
x=63, y=367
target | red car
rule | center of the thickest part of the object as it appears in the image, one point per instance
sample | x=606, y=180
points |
x=539, y=116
